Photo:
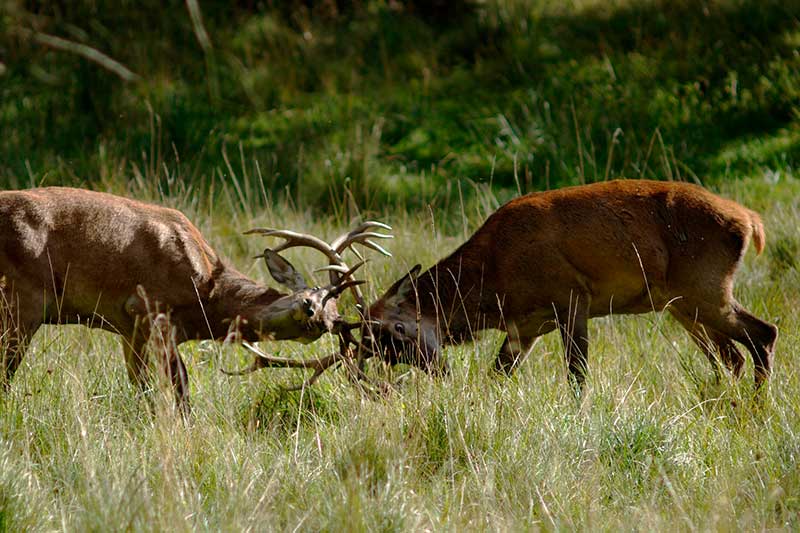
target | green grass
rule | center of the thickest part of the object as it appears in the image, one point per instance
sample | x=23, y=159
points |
x=305, y=119
x=391, y=106
x=654, y=444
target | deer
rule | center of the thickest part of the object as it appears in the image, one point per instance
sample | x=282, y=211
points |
x=553, y=260
x=78, y=256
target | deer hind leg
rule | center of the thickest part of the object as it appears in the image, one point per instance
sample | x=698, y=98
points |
x=732, y=321
x=717, y=347
x=729, y=354
x=713, y=304
x=759, y=337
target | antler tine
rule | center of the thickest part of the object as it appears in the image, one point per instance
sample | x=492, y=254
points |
x=263, y=360
x=244, y=371
x=364, y=241
x=340, y=288
x=310, y=381
x=373, y=224
x=344, y=355
x=361, y=234
x=338, y=270
x=355, y=374
x=342, y=269
x=335, y=268
x=365, y=226
x=293, y=239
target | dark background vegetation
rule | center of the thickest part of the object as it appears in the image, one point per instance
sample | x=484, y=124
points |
x=399, y=103
x=427, y=114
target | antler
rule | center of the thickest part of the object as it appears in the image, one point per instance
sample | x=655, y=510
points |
x=340, y=280
x=320, y=365
x=263, y=360
x=362, y=236
x=338, y=269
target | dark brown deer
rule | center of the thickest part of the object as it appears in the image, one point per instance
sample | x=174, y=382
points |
x=556, y=259
x=77, y=256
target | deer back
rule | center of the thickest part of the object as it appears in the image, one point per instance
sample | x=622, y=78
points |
x=91, y=249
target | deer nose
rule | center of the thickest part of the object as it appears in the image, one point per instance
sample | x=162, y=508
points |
x=307, y=303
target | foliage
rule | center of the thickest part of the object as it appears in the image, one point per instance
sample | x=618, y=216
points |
x=386, y=101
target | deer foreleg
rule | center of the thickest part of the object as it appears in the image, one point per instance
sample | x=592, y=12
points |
x=16, y=329
x=573, y=323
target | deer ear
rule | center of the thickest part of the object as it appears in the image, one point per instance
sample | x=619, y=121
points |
x=283, y=271
x=404, y=288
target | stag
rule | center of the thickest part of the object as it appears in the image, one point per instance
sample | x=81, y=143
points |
x=78, y=256
x=553, y=260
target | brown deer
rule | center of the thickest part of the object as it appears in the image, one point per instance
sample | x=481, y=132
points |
x=77, y=256
x=556, y=259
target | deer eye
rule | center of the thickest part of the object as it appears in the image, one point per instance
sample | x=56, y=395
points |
x=400, y=328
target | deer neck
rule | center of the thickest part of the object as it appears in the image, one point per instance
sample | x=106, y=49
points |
x=452, y=294
x=237, y=296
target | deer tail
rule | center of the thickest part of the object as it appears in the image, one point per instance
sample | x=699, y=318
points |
x=757, y=229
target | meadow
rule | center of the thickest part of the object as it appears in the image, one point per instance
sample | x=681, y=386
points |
x=309, y=120
x=654, y=443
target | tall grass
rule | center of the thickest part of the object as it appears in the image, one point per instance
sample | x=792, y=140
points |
x=655, y=443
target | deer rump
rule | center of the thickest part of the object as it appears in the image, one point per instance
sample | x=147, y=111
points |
x=553, y=260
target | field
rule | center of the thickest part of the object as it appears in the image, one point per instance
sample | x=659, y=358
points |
x=309, y=120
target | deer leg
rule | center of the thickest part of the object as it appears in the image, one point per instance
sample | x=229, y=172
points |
x=163, y=340
x=518, y=342
x=17, y=327
x=759, y=337
x=512, y=353
x=136, y=360
x=735, y=322
x=179, y=379
x=729, y=353
x=14, y=345
x=715, y=345
x=133, y=344
x=157, y=335
x=574, y=327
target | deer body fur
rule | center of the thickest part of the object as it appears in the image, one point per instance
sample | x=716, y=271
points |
x=556, y=259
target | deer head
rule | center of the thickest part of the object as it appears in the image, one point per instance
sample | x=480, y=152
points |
x=308, y=311
x=399, y=331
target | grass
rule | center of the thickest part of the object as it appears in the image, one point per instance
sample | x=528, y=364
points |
x=307, y=119
x=654, y=444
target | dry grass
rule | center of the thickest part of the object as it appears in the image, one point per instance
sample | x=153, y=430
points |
x=655, y=444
